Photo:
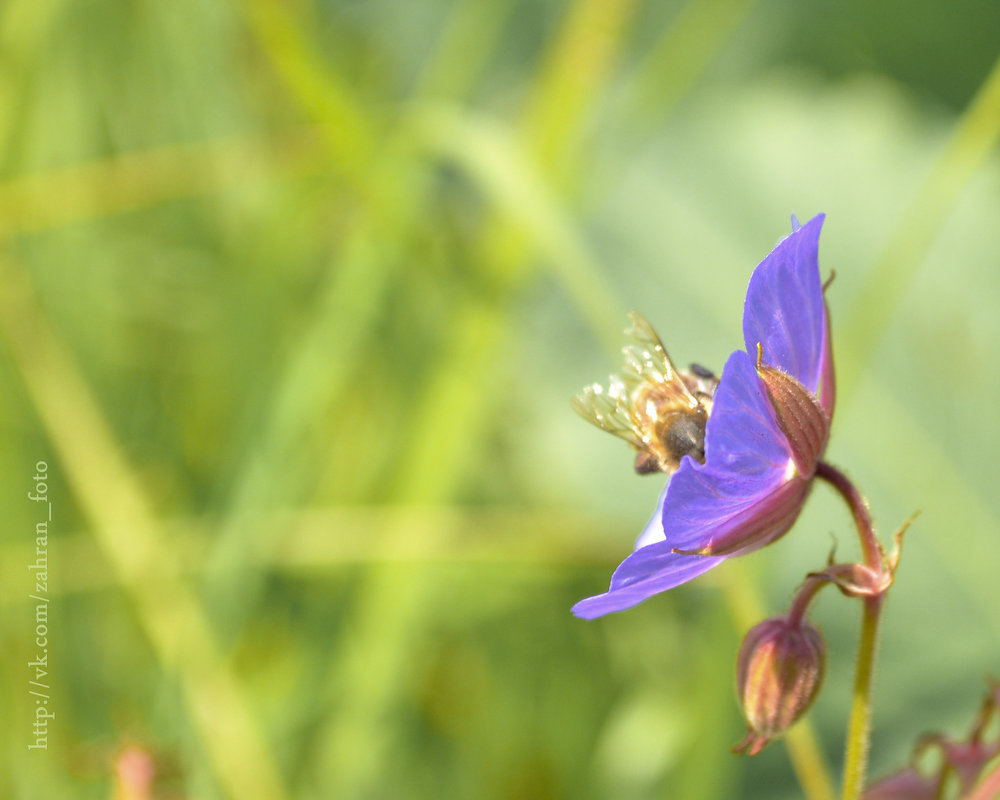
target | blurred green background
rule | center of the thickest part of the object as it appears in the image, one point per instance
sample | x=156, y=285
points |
x=293, y=296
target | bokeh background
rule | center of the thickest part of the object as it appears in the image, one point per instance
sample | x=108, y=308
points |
x=294, y=295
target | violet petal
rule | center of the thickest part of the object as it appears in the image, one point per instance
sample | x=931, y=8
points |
x=784, y=308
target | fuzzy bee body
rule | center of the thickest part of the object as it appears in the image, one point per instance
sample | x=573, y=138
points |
x=661, y=411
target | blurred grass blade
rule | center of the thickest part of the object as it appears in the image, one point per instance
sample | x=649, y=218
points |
x=123, y=183
x=390, y=188
x=579, y=59
x=496, y=165
x=123, y=523
x=386, y=622
x=975, y=136
x=679, y=57
x=470, y=36
x=299, y=544
x=326, y=98
x=343, y=314
x=388, y=611
x=318, y=369
x=24, y=27
x=966, y=526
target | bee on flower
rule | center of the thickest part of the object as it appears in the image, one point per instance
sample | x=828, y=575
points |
x=740, y=450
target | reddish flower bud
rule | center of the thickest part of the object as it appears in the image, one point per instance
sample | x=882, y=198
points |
x=968, y=759
x=906, y=785
x=778, y=674
x=135, y=772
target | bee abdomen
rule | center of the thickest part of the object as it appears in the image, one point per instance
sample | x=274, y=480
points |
x=685, y=436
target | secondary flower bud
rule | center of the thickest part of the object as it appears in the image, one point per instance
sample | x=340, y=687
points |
x=906, y=785
x=778, y=674
x=968, y=759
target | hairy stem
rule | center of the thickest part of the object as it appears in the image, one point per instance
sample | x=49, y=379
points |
x=859, y=510
x=859, y=725
x=804, y=597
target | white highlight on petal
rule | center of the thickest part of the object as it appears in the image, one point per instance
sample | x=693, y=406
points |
x=790, y=471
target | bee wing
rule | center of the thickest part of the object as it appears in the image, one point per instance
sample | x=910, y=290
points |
x=648, y=369
x=646, y=360
x=610, y=410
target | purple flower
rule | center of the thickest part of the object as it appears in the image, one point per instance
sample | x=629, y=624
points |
x=766, y=432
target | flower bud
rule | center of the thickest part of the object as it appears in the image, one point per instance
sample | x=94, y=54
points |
x=906, y=785
x=778, y=674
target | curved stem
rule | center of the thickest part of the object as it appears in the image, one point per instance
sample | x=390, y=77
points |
x=942, y=783
x=804, y=596
x=859, y=726
x=859, y=509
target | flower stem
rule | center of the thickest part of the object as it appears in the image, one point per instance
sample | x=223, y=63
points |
x=859, y=509
x=804, y=597
x=859, y=725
